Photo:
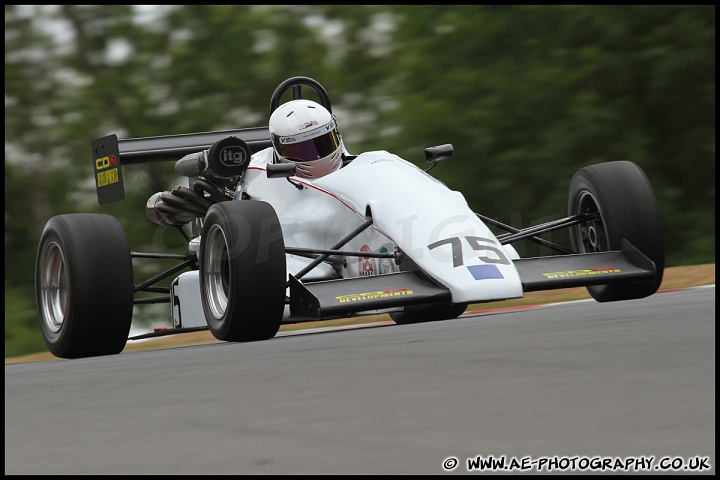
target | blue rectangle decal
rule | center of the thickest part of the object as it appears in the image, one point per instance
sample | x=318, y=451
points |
x=484, y=272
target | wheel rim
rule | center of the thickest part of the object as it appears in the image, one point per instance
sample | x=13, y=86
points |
x=591, y=235
x=216, y=271
x=53, y=287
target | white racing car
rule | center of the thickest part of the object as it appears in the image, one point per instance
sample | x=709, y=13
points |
x=270, y=245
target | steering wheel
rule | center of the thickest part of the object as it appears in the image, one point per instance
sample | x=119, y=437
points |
x=296, y=84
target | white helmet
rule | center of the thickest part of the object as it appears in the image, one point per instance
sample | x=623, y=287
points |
x=304, y=132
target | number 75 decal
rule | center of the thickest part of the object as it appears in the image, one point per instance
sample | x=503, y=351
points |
x=479, y=244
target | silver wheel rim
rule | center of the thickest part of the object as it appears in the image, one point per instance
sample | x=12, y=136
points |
x=53, y=287
x=216, y=271
x=591, y=235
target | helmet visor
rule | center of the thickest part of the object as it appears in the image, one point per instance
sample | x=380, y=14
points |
x=307, y=150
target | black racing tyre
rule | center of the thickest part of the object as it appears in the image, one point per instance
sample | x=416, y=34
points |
x=429, y=314
x=84, y=285
x=621, y=193
x=242, y=271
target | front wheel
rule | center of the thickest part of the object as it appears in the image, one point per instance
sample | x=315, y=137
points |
x=242, y=271
x=620, y=196
x=84, y=285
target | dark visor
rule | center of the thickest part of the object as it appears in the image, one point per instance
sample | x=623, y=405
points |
x=308, y=150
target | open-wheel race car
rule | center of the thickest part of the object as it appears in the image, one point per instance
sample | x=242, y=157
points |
x=271, y=241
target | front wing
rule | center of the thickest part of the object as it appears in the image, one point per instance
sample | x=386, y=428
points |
x=340, y=298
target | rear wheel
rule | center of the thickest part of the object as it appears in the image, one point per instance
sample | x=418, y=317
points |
x=84, y=285
x=242, y=271
x=621, y=194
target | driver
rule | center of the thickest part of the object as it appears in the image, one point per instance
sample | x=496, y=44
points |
x=305, y=133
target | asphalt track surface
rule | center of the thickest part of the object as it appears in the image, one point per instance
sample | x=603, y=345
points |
x=550, y=386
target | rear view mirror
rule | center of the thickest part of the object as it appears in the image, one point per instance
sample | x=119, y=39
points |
x=279, y=170
x=440, y=152
x=435, y=154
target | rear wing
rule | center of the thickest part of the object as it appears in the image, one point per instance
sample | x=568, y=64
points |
x=109, y=154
